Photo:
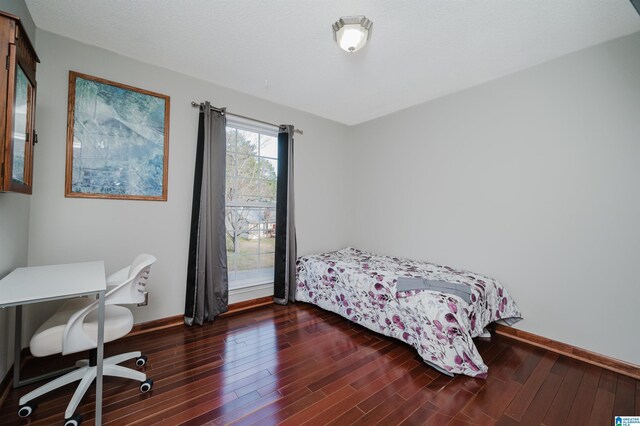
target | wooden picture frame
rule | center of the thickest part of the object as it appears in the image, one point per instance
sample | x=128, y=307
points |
x=117, y=140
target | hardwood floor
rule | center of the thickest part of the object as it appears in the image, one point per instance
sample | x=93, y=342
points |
x=301, y=365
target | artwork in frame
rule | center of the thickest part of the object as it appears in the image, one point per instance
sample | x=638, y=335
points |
x=117, y=140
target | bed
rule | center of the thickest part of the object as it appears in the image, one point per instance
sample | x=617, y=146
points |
x=362, y=287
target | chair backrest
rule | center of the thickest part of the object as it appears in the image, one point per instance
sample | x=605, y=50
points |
x=132, y=289
x=129, y=291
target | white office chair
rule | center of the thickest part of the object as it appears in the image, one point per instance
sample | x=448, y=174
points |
x=74, y=328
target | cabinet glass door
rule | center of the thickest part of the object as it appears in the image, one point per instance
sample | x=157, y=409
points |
x=21, y=132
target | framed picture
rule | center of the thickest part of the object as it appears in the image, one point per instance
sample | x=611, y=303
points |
x=117, y=140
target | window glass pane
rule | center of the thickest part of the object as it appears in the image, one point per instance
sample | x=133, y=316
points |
x=20, y=125
x=238, y=222
x=246, y=262
x=248, y=166
x=267, y=245
x=268, y=168
x=266, y=261
x=231, y=193
x=248, y=243
x=247, y=142
x=231, y=164
x=246, y=190
x=268, y=191
x=231, y=139
x=269, y=221
x=268, y=146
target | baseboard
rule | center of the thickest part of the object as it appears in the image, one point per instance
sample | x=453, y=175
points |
x=613, y=364
x=234, y=308
x=155, y=325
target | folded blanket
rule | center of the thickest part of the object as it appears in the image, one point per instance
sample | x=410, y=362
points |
x=418, y=283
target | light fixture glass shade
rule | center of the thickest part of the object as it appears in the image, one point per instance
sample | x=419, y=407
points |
x=352, y=32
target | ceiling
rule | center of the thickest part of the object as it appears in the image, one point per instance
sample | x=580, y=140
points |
x=283, y=50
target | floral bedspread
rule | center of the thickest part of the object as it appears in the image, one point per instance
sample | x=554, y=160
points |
x=361, y=286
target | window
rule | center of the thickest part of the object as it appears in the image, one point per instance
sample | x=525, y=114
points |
x=252, y=164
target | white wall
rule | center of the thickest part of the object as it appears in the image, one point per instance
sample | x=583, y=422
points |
x=67, y=229
x=532, y=179
x=14, y=221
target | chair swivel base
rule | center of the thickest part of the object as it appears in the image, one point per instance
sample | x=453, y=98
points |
x=86, y=373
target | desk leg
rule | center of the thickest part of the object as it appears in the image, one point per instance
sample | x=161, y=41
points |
x=17, y=347
x=99, y=362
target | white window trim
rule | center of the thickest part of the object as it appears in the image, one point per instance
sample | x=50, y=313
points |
x=252, y=126
x=250, y=293
x=240, y=284
x=256, y=284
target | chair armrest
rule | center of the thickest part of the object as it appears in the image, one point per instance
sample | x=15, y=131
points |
x=74, y=338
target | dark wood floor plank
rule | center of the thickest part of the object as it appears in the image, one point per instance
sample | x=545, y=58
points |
x=561, y=405
x=461, y=422
x=380, y=411
x=438, y=419
x=624, y=404
x=267, y=409
x=421, y=415
x=407, y=407
x=506, y=421
x=234, y=414
x=360, y=395
x=602, y=411
x=356, y=364
x=583, y=401
x=480, y=419
x=298, y=364
x=384, y=368
x=348, y=418
x=415, y=386
x=528, y=391
x=321, y=405
x=546, y=394
x=528, y=365
x=492, y=399
x=292, y=407
x=166, y=415
x=390, y=390
x=218, y=411
x=608, y=381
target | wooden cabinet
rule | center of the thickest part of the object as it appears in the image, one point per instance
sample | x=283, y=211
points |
x=17, y=105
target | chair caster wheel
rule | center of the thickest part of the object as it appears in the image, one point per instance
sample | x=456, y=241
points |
x=141, y=361
x=26, y=410
x=74, y=420
x=146, y=385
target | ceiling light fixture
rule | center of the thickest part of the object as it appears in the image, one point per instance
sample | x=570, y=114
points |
x=352, y=32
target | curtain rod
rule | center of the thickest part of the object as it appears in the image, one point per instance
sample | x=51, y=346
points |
x=224, y=111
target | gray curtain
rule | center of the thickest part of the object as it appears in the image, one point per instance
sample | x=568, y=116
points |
x=207, y=279
x=284, y=282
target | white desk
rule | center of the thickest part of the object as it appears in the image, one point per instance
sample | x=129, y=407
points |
x=43, y=283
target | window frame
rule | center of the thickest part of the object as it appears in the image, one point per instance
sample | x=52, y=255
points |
x=248, y=125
